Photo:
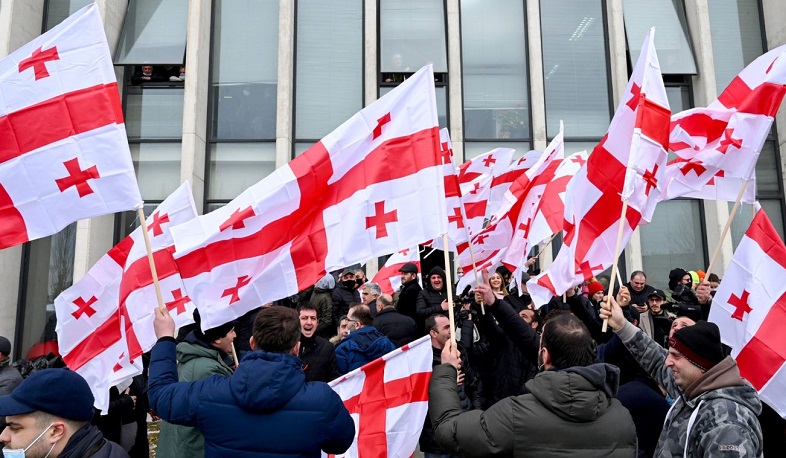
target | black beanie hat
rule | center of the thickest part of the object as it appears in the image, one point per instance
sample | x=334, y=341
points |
x=675, y=276
x=211, y=334
x=700, y=343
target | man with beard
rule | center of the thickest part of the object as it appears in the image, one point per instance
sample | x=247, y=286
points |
x=317, y=354
x=406, y=298
x=434, y=297
x=570, y=408
x=345, y=294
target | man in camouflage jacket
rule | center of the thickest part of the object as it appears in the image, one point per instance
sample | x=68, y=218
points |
x=714, y=412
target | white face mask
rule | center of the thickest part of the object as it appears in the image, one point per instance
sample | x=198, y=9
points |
x=20, y=453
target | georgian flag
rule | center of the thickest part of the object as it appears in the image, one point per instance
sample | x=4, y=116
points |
x=105, y=320
x=371, y=187
x=628, y=163
x=388, y=400
x=388, y=277
x=750, y=310
x=63, y=150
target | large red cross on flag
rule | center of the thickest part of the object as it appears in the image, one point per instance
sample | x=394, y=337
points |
x=750, y=310
x=64, y=155
x=388, y=400
x=367, y=189
x=110, y=311
x=627, y=164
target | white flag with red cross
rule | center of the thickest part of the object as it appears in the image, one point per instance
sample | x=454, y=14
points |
x=64, y=155
x=494, y=162
x=476, y=177
x=750, y=310
x=388, y=400
x=628, y=163
x=105, y=320
x=371, y=187
x=718, y=146
x=389, y=277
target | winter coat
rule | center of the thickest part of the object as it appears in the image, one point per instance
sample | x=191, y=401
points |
x=319, y=359
x=406, y=303
x=322, y=300
x=10, y=378
x=648, y=407
x=361, y=347
x=570, y=412
x=400, y=329
x=587, y=312
x=197, y=361
x=430, y=300
x=716, y=414
x=88, y=442
x=342, y=298
x=265, y=409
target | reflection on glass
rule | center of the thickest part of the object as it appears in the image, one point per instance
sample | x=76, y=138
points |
x=736, y=34
x=744, y=216
x=679, y=98
x=157, y=167
x=575, y=67
x=154, y=112
x=671, y=39
x=58, y=10
x=234, y=167
x=412, y=34
x=767, y=177
x=496, y=99
x=153, y=33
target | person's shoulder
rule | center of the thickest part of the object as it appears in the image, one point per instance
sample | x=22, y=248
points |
x=110, y=450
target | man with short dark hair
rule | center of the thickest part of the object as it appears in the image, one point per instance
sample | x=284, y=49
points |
x=400, y=329
x=48, y=415
x=252, y=413
x=317, y=354
x=639, y=290
x=200, y=355
x=532, y=318
x=570, y=409
x=715, y=409
x=363, y=344
x=656, y=321
x=406, y=298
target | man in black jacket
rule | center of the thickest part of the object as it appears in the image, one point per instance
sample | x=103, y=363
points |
x=434, y=297
x=399, y=328
x=345, y=295
x=318, y=355
x=49, y=414
x=407, y=297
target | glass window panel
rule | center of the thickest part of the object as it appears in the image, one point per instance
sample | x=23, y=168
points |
x=441, y=94
x=157, y=168
x=736, y=34
x=234, y=167
x=329, y=79
x=744, y=216
x=127, y=222
x=50, y=271
x=154, y=112
x=575, y=67
x=575, y=147
x=674, y=238
x=412, y=34
x=494, y=69
x=679, y=98
x=153, y=33
x=244, y=69
x=671, y=39
x=58, y=10
x=301, y=148
x=474, y=149
x=767, y=177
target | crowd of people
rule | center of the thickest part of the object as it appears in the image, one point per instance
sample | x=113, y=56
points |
x=518, y=381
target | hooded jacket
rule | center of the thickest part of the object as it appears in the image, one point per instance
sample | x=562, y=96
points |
x=342, y=298
x=361, y=347
x=265, y=409
x=569, y=412
x=430, y=300
x=715, y=415
x=197, y=361
x=322, y=300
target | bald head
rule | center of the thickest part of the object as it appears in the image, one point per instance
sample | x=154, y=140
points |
x=384, y=301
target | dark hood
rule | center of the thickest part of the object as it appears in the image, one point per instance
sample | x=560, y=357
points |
x=577, y=393
x=437, y=270
x=266, y=381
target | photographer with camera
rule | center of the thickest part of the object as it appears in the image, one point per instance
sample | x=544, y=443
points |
x=684, y=301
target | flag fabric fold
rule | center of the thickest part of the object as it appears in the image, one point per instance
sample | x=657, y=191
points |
x=388, y=277
x=64, y=154
x=371, y=187
x=750, y=310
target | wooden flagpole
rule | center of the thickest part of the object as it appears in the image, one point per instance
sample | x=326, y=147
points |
x=475, y=271
x=726, y=228
x=449, y=286
x=614, y=271
x=234, y=356
x=149, y=249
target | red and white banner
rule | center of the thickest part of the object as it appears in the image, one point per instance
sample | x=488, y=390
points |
x=63, y=150
x=388, y=277
x=371, y=187
x=105, y=320
x=388, y=399
x=750, y=310
x=628, y=163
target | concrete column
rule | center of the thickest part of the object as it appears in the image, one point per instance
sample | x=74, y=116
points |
x=370, y=77
x=195, y=96
x=537, y=85
x=20, y=22
x=455, y=98
x=775, y=25
x=617, y=54
x=286, y=66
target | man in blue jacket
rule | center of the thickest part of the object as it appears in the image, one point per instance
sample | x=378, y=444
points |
x=266, y=408
x=363, y=344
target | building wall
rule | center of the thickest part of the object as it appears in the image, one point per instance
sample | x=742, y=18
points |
x=20, y=21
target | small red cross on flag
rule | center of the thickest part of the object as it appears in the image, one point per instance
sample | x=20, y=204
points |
x=38, y=61
x=178, y=302
x=158, y=220
x=237, y=219
x=77, y=177
x=83, y=307
x=234, y=292
x=741, y=306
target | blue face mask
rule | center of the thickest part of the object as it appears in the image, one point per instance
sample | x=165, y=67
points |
x=20, y=453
